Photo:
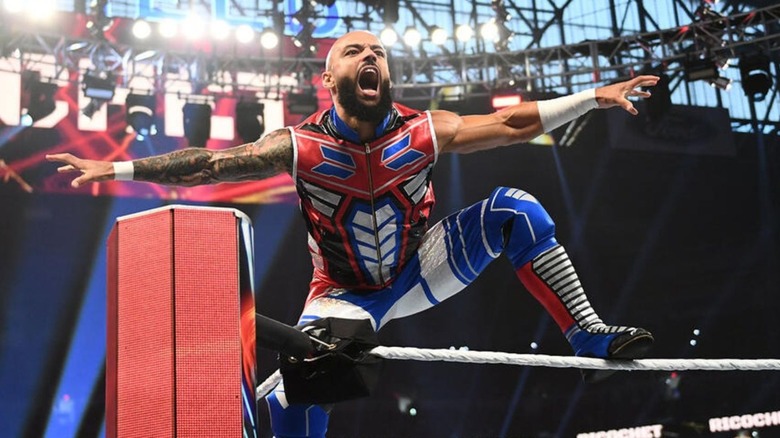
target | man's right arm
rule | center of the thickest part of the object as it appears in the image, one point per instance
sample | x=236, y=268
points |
x=266, y=157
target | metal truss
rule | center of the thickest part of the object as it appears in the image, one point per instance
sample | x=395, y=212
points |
x=561, y=68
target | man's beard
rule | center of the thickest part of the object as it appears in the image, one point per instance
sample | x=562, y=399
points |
x=348, y=99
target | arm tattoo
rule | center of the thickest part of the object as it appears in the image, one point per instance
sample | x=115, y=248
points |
x=266, y=157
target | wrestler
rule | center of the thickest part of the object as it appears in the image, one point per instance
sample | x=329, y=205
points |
x=362, y=170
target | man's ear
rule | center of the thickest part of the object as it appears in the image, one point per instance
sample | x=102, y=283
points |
x=327, y=80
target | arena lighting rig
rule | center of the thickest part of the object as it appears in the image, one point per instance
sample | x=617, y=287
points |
x=694, y=52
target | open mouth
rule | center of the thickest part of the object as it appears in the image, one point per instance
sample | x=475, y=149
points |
x=368, y=81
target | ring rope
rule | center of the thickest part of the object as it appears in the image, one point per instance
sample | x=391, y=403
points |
x=422, y=354
x=467, y=356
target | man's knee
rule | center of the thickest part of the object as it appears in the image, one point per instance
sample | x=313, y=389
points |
x=295, y=420
x=515, y=208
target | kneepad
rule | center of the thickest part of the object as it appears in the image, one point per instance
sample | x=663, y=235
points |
x=518, y=223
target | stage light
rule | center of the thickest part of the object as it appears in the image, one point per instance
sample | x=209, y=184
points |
x=99, y=88
x=143, y=56
x=142, y=29
x=302, y=103
x=406, y=405
x=269, y=39
x=219, y=29
x=389, y=10
x=464, y=33
x=245, y=34
x=44, y=9
x=755, y=75
x=388, y=36
x=193, y=27
x=168, y=28
x=92, y=107
x=696, y=68
x=505, y=99
x=197, y=123
x=721, y=83
x=98, y=85
x=412, y=37
x=438, y=36
x=14, y=6
x=304, y=39
x=489, y=31
x=250, y=120
x=139, y=113
x=41, y=100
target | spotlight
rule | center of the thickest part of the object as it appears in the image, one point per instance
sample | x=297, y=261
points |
x=41, y=100
x=721, y=83
x=244, y=34
x=269, y=39
x=99, y=22
x=302, y=103
x=489, y=31
x=168, y=28
x=696, y=69
x=98, y=85
x=303, y=39
x=406, y=405
x=503, y=99
x=756, y=76
x=464, y=33
x=220, y=30
x=13, y=6
x=139, y=113
x=250, y=123
x=193, y=27
x=142, y=29
x=92, y=107
x=412, y=37
x=438, y=36
x=389, y=11
x=197, y=123
x=388, y=36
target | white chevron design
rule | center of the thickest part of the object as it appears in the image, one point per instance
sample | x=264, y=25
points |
x=363, y=230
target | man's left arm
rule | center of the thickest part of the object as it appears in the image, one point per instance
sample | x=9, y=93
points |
x=523, y=122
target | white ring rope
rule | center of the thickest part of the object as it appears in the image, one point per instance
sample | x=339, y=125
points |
x=269, y=384
x=432, y=355
x=409, y=353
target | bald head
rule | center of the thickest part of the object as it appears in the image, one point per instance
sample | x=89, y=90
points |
x=361, y=37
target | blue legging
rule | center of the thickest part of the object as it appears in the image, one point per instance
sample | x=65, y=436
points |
x=452, y=254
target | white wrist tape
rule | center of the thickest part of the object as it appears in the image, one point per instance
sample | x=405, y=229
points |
x=123, y=170
x=557, y=112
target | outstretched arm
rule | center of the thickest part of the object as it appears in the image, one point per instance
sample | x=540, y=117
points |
x=266, y=157
x=523, y=122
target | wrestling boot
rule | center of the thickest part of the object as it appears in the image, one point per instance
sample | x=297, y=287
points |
x=551, y=278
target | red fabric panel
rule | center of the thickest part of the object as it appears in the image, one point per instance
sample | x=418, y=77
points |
x=546, y=296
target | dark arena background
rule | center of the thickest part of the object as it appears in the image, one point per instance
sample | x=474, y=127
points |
x=671, y=217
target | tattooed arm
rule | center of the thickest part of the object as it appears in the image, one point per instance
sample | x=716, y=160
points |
x=266, y=157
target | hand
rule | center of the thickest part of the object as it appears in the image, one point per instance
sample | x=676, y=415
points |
x=91, y=170
x=618, y=94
